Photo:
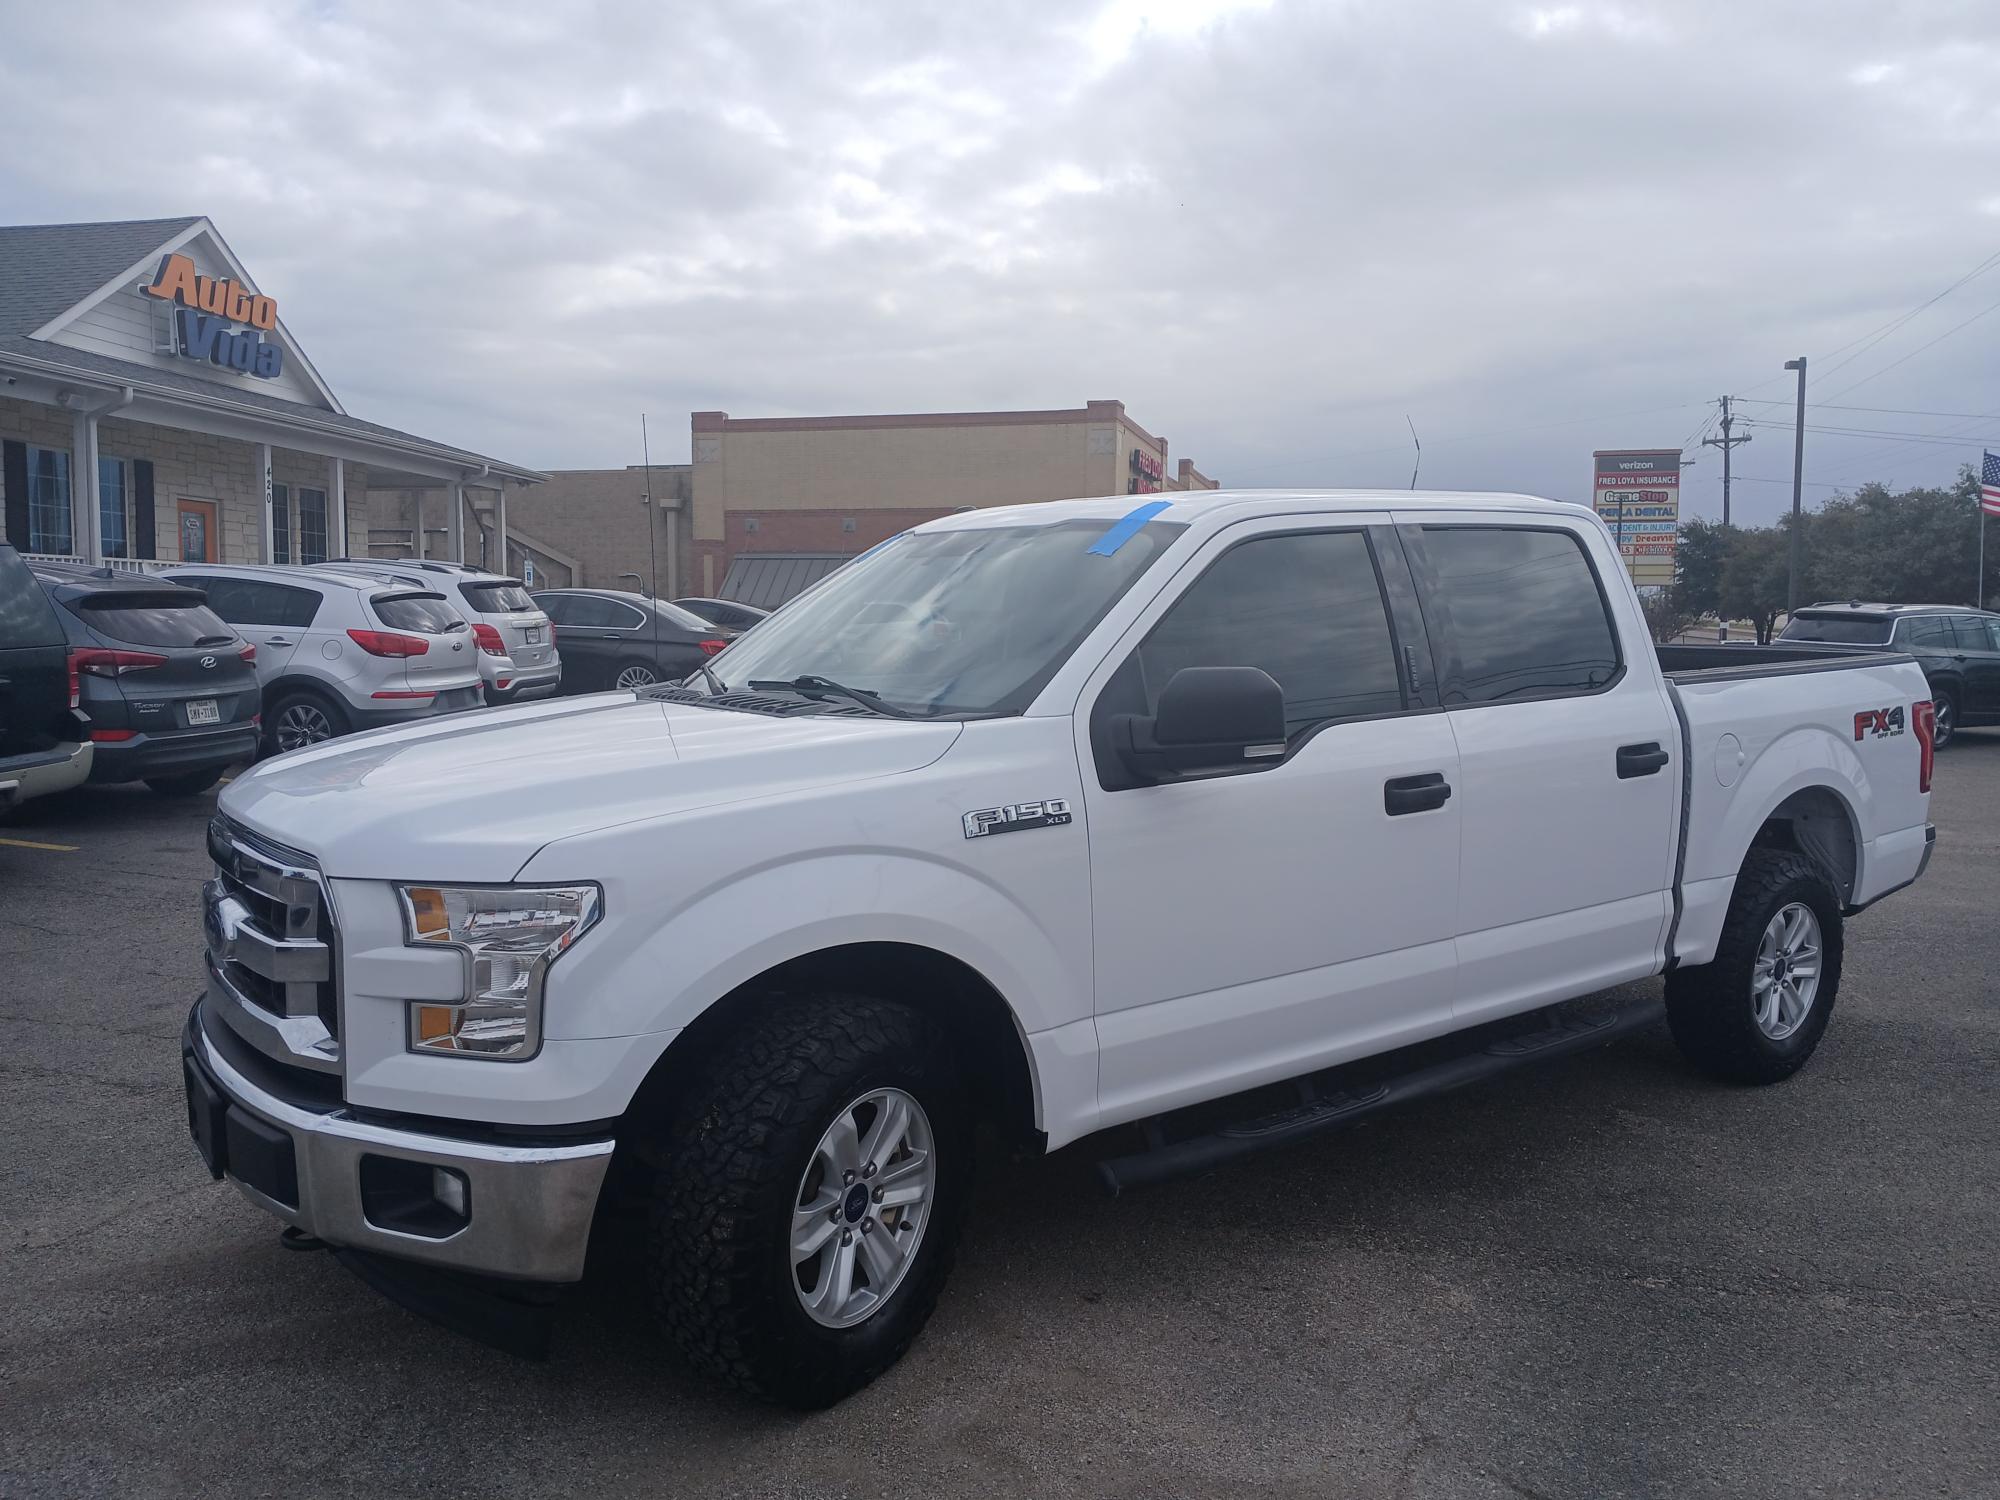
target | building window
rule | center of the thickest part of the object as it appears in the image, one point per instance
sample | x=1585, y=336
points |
x=281, y=523
x=114, y=501
x=49, y=527
x=312, y=525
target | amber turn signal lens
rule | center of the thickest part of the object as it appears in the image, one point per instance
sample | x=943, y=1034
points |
x=427, y=913
x=436, y=1023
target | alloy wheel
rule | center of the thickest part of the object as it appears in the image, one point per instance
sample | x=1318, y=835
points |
x=1785, y=978
x=636, y=677
x=303, y=724
x=862, y=1205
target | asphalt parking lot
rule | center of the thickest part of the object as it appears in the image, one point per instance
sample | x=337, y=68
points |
x=1603, y=1278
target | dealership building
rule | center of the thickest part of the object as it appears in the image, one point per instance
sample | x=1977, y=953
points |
x=155, y=407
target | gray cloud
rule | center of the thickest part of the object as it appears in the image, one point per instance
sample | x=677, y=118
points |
x=1271, y=229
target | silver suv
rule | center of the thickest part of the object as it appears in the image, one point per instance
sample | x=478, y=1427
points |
x=340, y=651
x=517, y=650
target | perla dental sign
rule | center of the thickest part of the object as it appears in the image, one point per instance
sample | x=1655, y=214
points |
x=205, y=310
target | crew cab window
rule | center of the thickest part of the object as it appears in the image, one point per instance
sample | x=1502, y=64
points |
x=1305, y=607
x=247, y=601
x=425, y=612
x=1522, y=611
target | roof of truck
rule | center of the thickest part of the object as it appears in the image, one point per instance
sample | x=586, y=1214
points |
x=1190, y=505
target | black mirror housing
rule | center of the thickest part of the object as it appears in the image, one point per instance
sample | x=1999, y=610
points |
x=1210, y=721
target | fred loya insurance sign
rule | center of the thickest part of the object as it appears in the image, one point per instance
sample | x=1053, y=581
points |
x=1637, y=493
x=218, y=320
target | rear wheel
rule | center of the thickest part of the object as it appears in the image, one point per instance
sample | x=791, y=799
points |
x=1755, y=1013
x=1947, y=719
x=635, y=674
x=301, y=718
x=806, y=1202
x=189, y=784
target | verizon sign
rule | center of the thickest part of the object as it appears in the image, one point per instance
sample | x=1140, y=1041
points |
x=1638, y=494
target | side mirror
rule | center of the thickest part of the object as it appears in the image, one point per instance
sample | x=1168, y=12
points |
x=1210, y=721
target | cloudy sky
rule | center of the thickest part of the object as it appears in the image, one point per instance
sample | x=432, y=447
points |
x=1272, y=230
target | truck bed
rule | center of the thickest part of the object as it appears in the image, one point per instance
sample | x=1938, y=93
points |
x=1699, y=663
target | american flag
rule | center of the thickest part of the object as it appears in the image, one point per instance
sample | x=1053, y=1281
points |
x=1989, y=483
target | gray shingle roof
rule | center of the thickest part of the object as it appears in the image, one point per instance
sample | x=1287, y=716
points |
x=45, y=268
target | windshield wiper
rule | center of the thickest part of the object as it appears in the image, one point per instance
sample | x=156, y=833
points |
x=811, y=684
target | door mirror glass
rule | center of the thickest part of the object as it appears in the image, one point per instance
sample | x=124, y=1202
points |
x=1210, y=721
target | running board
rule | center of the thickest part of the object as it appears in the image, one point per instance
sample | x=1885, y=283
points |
x=1565, y=1031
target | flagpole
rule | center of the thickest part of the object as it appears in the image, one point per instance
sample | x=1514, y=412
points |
x=1980, y=591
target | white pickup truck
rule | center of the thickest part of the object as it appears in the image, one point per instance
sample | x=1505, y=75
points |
x=1039, y=821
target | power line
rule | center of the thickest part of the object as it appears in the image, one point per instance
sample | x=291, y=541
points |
x=1887, y=411
x=1991, y=307
x=1890, y=327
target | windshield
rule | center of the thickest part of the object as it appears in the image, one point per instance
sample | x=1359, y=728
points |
x=1847, y=630
x=970, y=621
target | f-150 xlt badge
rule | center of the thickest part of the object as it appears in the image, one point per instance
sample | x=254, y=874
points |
x=1051, y=812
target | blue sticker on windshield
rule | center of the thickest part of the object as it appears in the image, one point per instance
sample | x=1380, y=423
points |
x=879, y=546
x=1127, y=528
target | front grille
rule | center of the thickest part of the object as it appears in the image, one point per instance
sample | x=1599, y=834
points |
x=270, y=927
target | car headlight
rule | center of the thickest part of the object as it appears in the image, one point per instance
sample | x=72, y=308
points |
x=509, y=936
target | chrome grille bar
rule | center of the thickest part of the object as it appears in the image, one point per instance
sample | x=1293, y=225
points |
x=267, y=924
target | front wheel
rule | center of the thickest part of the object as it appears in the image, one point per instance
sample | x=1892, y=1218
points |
x=1756, y=1012
x=806, y=1203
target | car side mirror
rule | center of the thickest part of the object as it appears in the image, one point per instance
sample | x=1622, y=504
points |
x=1210, y=721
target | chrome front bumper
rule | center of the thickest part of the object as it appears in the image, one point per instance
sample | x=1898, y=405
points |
x=527, y=1208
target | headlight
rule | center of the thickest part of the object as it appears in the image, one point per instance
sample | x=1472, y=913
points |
x=509, y=936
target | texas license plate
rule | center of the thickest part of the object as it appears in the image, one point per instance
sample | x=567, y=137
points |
x=203, y=711
x=534, y=635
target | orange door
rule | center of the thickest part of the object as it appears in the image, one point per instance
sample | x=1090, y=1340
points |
x=198, y=531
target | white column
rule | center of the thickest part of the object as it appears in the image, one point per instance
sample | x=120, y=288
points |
x=82, y=485
x=500, y=523
x=421, y=548
x=264, y=510
x=455, y=523
x=336, y=501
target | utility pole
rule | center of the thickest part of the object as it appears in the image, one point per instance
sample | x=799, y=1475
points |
x=1725, y=443
x=1798, y=488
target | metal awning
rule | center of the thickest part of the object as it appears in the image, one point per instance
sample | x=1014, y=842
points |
x=768, y=579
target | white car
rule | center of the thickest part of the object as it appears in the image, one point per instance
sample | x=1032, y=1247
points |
x=1054, y=820
x=517, y=644
x=340, y=651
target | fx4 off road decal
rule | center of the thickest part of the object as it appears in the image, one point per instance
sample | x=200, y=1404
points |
x=1017, y=817
x=1879, y=722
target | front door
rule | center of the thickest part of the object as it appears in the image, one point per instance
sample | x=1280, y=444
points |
x=1978, y=655
x=1257, y=926
x=197, y=531
x=1569, y=759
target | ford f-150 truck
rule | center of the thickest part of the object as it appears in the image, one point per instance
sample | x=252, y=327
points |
x=1214, y=822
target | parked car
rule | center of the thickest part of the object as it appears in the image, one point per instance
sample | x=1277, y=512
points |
x=725, y=612
x=1154, y=819
x=613, y=639
x=517, y=650
x=1958, y=648
x=44, y=746
x=339, y=651
x=170, y=689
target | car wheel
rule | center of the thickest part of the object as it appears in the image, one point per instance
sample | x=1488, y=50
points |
x=806, y=1206
x=301, y=719
x=1756, y=1011
x=635, y=674
x=1947, y=720
x=191, y=784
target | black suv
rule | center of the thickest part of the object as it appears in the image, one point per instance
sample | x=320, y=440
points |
x=170, y=690
x=42, y=744
x=1958, y=648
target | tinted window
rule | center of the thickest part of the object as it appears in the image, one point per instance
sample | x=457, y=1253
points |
x=496, y=598
x=1523, y=612
x=1849, y=630
x=1970, y=633
x=601, y=614
x=154, y=619
x=247, y=601
x=1933, y=631
x=426, y=612
x=555, y=606
x=25, y=616
x=1305, y=608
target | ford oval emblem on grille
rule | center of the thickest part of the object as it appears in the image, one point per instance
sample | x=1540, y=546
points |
x=208, y=661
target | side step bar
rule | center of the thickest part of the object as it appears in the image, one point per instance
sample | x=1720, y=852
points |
x=1566, y=1031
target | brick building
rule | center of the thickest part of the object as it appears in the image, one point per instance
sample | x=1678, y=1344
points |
x=154, y=407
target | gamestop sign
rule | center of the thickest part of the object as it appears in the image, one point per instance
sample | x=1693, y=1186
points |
x=1637, y=493
x=218, y=320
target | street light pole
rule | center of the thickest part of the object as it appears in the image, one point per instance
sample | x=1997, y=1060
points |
x=1798, y=488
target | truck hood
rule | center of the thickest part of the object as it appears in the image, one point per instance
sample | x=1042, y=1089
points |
x=474, y=796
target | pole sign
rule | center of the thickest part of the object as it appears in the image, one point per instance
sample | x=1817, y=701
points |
x=218, y=320
x=1637, y=493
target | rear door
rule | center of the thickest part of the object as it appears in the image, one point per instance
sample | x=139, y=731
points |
x=1976, y=656
x=449, y=664
x=1569, y=759
x=34, y=664
x=270, y=616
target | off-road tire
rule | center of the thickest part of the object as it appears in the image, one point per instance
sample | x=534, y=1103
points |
x=187, y=784
x=722, y=1184
x=1709, y=1008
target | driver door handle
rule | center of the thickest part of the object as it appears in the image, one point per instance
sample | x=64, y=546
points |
x=1640, y=760
x=1412, y=794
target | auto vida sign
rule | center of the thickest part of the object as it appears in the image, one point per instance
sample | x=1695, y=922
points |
x=218, y=320
x=1637, y=493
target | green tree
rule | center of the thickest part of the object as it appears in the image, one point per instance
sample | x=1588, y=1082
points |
x=1699, y=558
x=1919, y=546
x=1755, y=578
